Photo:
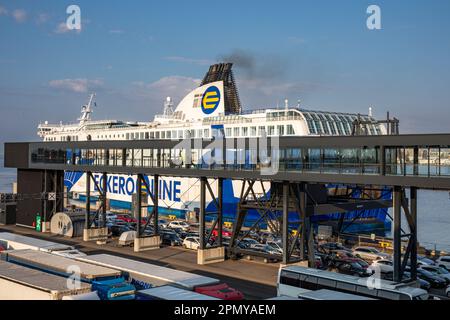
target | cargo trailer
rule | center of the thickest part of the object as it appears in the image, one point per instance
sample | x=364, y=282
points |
x=12, y=241
x=146, y=275
x=170, y=293
x=108, y=282
x=21, y=283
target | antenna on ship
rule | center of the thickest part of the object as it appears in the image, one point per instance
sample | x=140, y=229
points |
x=370, y=112
x=86, y=110
x=168, y=107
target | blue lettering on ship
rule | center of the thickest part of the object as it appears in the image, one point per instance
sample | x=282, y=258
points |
x=168, y=189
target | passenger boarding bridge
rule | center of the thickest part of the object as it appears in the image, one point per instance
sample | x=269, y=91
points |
x=297, y=167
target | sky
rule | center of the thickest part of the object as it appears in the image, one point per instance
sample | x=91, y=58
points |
x=135, y=53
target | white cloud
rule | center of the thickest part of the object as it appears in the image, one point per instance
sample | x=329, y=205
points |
x=76, y=85
x=62, y=28
x=3, y=11
x=200, y=62
x=174, y=86
x=19, y=15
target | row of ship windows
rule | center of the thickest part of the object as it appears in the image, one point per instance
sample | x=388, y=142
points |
x=340, y=128
x=63, y=138
x=280, y=130
x=253, y=131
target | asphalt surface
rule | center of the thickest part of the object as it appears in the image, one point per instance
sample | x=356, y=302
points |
x=256, y=280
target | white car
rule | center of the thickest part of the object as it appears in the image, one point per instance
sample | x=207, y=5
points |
x=383, y=265
x=444, y=261
x=275, y=247
x=369, y=253
x=183, y=225
x=252, y=243
x=191, y=243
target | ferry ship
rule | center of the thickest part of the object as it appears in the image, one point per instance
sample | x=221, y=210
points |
x=211, y=110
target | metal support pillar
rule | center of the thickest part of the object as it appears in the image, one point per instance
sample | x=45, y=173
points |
x=310, y=239
x=155, y=203
x=413, y=212
x=397, y=254
x=220, y=211
x=202, y=218
x=383, y=160
x=104, y=192
x=45, y=199
x=139, y=205
x=285, y=227
x=302, y=196
x=87, y=217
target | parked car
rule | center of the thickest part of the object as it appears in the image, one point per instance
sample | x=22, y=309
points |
x=171, y=239
x=423, y=283
x=276, y=246
x=271, y=250
x=447, y=292
x=369, y=253
x=444, y=261
x=424, y=261
x=331, y=246
x=225, y=232
x=111, y=217
x=439, y=271
x=222, y=291
x=407, y=276
x=434, y=280
x=384, y=265
x=117, y=229
x=125, y=217
x=179, y=225
x=192, y=243
x=250, y=243
x=190, y=234
x=351, y=268
x=344, y=255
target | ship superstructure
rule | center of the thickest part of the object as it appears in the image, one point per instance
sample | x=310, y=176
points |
x=213, y=108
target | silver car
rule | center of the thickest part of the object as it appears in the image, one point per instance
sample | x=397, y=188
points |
x=369, y=253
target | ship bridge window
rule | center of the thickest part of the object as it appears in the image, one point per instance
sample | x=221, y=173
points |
x=168, y=134
x=163, y=134
x=290, y=129
x=180, y=134
x=152, y=135
x=157, y=135
x=206, y=133
x=199, y=133
x=228, y=132
x=236, y=132
x=245, y=131
x=253, y=131
x=271, y=130
x=280, y=130
x=261, y=131
x=147, y=135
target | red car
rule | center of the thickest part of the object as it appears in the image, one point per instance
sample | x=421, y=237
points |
x=221, y=291
x=129, y=219
x=225, y=233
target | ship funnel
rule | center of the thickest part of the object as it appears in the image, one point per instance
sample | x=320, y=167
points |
x=223, y=72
